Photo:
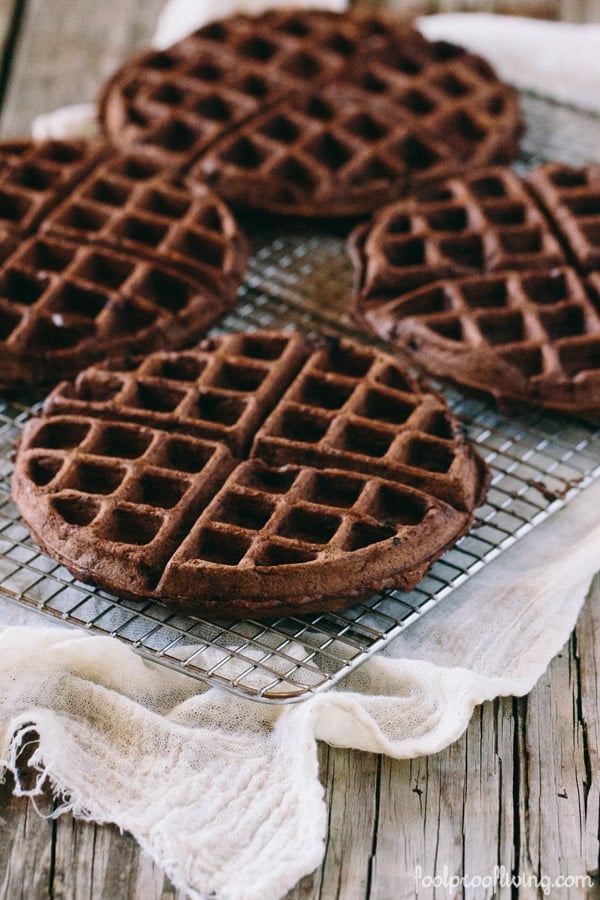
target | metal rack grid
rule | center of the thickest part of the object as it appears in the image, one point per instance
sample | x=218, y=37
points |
x=301, y=280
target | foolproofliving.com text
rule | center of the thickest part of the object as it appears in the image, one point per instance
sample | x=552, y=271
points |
x=499, y=877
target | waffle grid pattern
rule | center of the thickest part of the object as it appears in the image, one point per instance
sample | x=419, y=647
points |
x=300, y=516
x=138, y=492
x=217, y=78
x=33, y=178
x=219, y=393
x=311, y=113
x=101, y=254
x=544, y=325
x=95, y=485
x=128, y=205
x=87, y=295
x=572, y=199
x=323, y=145
x=452, y=94
x=505, y=313
x=485, y=221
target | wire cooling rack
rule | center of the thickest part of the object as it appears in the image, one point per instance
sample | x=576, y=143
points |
x=301, y=279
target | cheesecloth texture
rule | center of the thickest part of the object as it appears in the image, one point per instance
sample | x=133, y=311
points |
x=223, y=792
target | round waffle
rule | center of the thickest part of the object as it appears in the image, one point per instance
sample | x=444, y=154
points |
x=258, y=474
x=492, y=282
x=101, y=254
x=311, y=113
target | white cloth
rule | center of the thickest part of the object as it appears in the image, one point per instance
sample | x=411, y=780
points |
x=180, y=17
x=76, y=121
x=224, y=792
x=554, y=59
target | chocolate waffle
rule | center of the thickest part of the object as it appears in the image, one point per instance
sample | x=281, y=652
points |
x=33, y=176
x=101, y=254
x=487, y=287
x=312, y=113
x=257, y=474
x=571, y=196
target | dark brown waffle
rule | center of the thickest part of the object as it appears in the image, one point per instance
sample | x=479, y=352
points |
x=258, y=474
x=320, y=154
x=33, y=176
x=470, y=279
x=571, y=195
x=101, y=254
x=311, y=113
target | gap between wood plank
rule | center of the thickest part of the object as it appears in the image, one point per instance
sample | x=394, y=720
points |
x=9, y=45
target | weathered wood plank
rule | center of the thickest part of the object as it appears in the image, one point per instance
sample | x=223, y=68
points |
x=7, y=11
x=65, y=52
x=580, y=10
x=451, y=813
x=24, y=837
x=351, y=781
x=567, y=10
x=489, y=795
x=101, y=863
x=587, y=649
x=553, y=777
x=9, y=18
x=541, y=9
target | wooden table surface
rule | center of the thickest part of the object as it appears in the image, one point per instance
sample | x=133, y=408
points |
x=519, y=791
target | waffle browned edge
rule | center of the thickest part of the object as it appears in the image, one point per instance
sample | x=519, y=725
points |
x=274, y=591
x=481, y=372
x=133, y=320
x=384, y=38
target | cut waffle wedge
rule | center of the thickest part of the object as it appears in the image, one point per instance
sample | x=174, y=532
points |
x=101, y=254
x=490, y=281
x=256, y=475
x=312, y=113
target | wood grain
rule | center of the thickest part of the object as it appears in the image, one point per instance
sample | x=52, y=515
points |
x=541, y=9
x=7, y=12
x=66, y=50
x=580, y=10
x=517, y=794
x=567, y=10
x=9, y=28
